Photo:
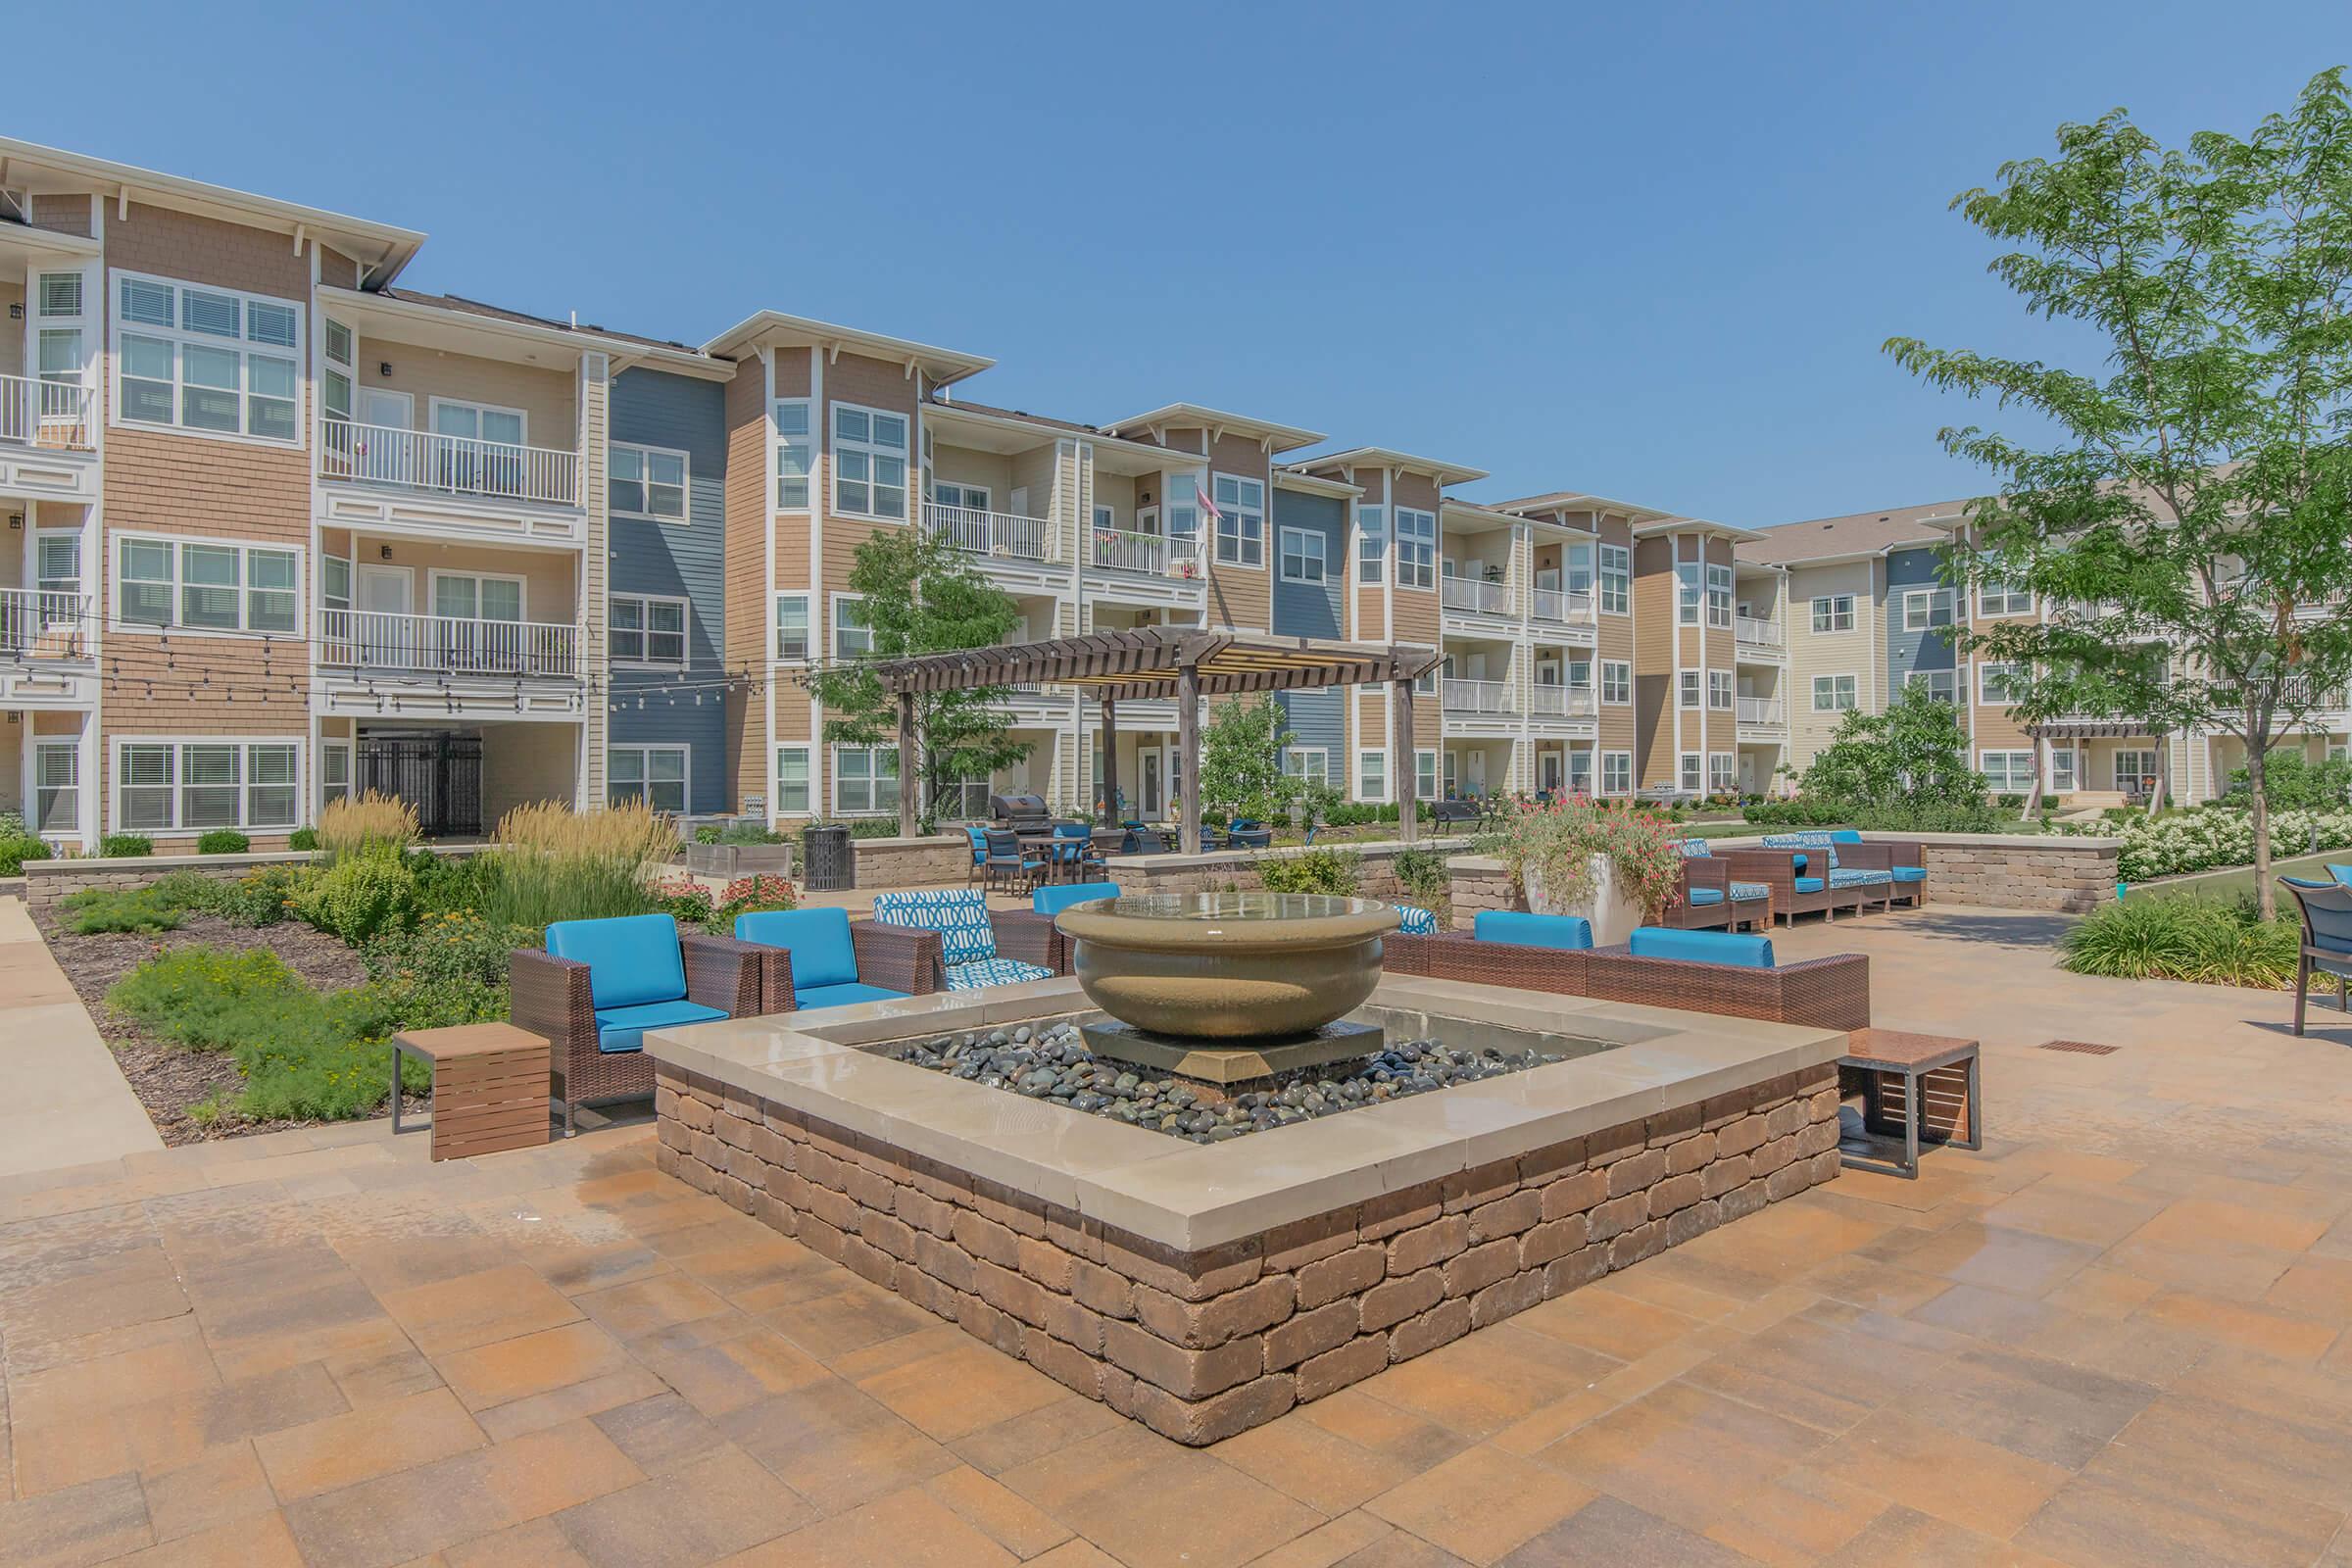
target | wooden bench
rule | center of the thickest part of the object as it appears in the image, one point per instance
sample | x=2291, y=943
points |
x=490, y=1087
x=1910, y=1084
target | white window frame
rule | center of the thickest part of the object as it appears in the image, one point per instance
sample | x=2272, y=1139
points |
x=1852, y=691
x=806, y=784
x=969, y=497
x=1319, y=554
x=1719, y=595
x=1416, y=547
x=1294, y=760
x=1616, y=773
x=1233, y=516
x=334, y=771
x=644, y=455
x=2014, y=771
x=1723, y=773
x=1920, y=606
x=72, y=324
x=2072, y=780
x=1996, y=599
x=178, y=745
x=875, y=452
x=180, y=338
x=1371, y=545
x=871, y=781
x=1833, y=614
x=1372, y=774
x=775, y=629
x=477, y=408
x=835, y=624
x=1687, y=690
x=645, y=632
x=1426, y=773
x=644, y=756
x=1617, y=674
x=1929, y=677
x=799, y=445
x=1690, y=589
x=1985, y=684
x=2115, y=765
x=177, y=627
x=1691, y=773
x=68, y=792
x=1719, y=690
x=1613, y=587
x=1579, y=779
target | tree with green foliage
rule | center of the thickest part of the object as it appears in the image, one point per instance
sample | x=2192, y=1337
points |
x=1241, y=761
x=2185, y=525
x=921, y=595
x=1913, y=755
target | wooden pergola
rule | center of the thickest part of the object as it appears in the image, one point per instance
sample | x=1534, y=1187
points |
x=1182, y=662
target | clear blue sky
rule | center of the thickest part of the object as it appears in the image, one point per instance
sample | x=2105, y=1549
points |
x=1645, y=251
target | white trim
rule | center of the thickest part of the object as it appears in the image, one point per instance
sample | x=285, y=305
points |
x=871, y=807
x=1601, y=574
x=2006, y=772
x=810, y=631
x=777, y=441
x=1691, y=773
x=112, y=569
x=1386, y=792
x=1302, y=752
x=2008, y=610
x=645, y=631
x=1984, y=670
x=903, y=454
x=1624, y=666
x=180, y=337
x=1427, y=577
x=1929, y=595
x=1813, y=615
x=432, y=597
x=648, y=450
x=434, y=403
x=1915, y=677
x=1321, y=553
x=1237, y=511
x=808, y=777
x=1720, y=680
x=1833, y=678
x=113, y=795
x=645, y=754
x=1690, y=690
x=1602, y=777
x=833, y=650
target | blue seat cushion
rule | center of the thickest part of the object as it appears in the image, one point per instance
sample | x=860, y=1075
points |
x=1702, y=947
x=807, y=999
x=981, y=973
x=1751, y=889
x=1706, y=895
x=1910, y=873
x=632, y=958
x=1053, y=901
x=1415, y=921
x=823, y=954
x=1809, y=884
x=958, y=915
x=1521, y=930
x=623, y=1028
x=1854, y=876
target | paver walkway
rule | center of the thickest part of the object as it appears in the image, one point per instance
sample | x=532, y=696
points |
x=61, y=1099
x=2117, y=1336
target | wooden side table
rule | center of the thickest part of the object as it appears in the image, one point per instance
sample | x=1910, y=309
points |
x=1935, y=1079
x=490, y=1087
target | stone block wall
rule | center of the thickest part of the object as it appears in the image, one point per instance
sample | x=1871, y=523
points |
x=2070, y=875
x=1202, y=1345
x=935, y=862
x=1480, y=882
x=47, y=881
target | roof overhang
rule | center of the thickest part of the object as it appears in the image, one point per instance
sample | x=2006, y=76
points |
x=1668, y=525
x=493, y=337
x=1579, y=501
x=1314, y=484
x=1445, y=473
x=1472, y=513
x=773, y=329
x=381, y=249
x=1194, y=416
x=27, y=242
x=985, y=430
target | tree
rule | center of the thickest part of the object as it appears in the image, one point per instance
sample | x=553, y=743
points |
x=2187, y=530
x=1241, y=761
x=1913, y=755
x=922, y=597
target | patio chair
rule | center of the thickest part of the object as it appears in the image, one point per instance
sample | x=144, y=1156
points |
x=1007, y=863
x=978, y=838
x=2327, y=947
x=978, y=947
x=1711, y=896
x=1782, y=872
x=1051, y=901
x=1719, y=972
x=2342, y=874
x=812, y=958
x=601, y=984
x=1458, y=814
x=1850, y=884
x=1247, y=833
x=1902, y=861
x=1071, y=856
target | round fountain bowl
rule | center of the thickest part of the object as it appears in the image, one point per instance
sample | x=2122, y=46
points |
x=1228, y=965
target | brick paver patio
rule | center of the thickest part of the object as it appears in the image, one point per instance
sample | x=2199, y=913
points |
x=2117, y=1336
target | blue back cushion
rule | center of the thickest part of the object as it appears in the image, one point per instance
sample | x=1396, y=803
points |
x=2342, y=873
x=960, y=915
x=2328, y=905
x=819, y=940
x=632, y=959
x=1055, y=900
x=1702, y=947
x=979, y=842
x=1521, y=930
x=1415, y=921
x=1845, y=835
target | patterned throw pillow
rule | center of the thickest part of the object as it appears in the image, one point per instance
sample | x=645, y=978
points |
x=958, y=915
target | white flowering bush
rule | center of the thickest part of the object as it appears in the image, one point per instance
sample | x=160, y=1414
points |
x=2211, y=839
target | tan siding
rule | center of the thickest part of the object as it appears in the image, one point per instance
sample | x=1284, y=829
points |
x=1654, y=634
x=201, y=250
x=12, y=335
x=545, y=397
x=67, y=211
x=1812, y=654
x=747, y=611
x=1239, y=595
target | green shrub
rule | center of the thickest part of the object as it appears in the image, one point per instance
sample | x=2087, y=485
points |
x=14, y=852
x=103, y=910
x=263, y=896
x=1426, y=881
x=1339, y=872
x=2292, y=782
x=223, y=840
x=126, y=846
x=2184, y=937
x=303, y=838
x=12, y=825
x=451, y=882
x=359, y=896
x=451, y=969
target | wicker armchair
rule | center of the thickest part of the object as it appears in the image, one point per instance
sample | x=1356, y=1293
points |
x=555, y=997
x=1901, y=860
x=970, y=947
x=1708, y=898
x=1792, y=894
x=1459, y=955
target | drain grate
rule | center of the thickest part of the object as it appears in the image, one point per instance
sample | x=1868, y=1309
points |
x=2080, y=1047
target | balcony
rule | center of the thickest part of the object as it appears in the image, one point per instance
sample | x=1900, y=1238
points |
x=55, y=414
x=1476, y=597
x=1768, y=712
x=37, y=624
x=987, y=533
x=382, y=643
x=386, y=457
x=1754, y=631
x=1479, y=697
x=1562, y=702
x=1145, y=554
x=1564, y=607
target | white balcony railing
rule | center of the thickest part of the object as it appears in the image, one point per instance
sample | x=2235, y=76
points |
x=1756, y=632
x=1472, y=593
x=1562, y=604
x=378, y=640
x=987, y=533
x=44, y=413
x=1561, y=702
x=1763, y=711
x=420, y=459
x=1480, y=697
x=44, y=623
x=1146, y=552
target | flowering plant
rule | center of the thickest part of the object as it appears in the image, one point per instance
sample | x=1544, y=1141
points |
x=1559, y=841
x=2210, y=838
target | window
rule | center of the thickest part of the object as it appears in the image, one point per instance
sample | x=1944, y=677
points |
x=1996, y=683
x=57, y=300
x=1578, y=556
x=1941, y=685
x=1616, y=579
x=1617, y=682
x=1425, y=776
x=1926, y=608
x=1106, y=518
x=2061, y=770
x=1689, y=778
x=1184, y=530
x=962, y=800
x=57, y=561
x=1371, y=775
x=1685, y=593
x=647, y=631
x=1309, y=763
x=1371, y=545
x=1302, y=551
x=1719, y=688
x=56, y=788
x=1580, y=773
x=647, y=483
x=1242, y=523
x=653, y=774
x=1616, y=773
x=1834, y=693
x=2136, y=772
x=792, y=625
x=794, y=458
x=1579, y=674
x=974, y=497
x=477, y=596
x=866, y=779
x=334, y=582
x=1416, y=548
x=1688, y=689
x=2007, y=772
x=171, y=786
x=1723, y=773
x=207, y=359
x=1832, y=613
x=1997, y=598
x=205, y=585
x=853, y=638
x=792, y=780
x=869, y=463
x=1719, y=596
x=334, y=771
x=341, y=373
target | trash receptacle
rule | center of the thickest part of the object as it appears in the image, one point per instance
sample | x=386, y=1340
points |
x=831, y=868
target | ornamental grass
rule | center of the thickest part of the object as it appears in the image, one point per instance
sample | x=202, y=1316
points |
x=370, y=824
x=554, y=863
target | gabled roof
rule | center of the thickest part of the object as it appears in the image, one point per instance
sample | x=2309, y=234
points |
x=1188, y=415
x=499, y=312
x=776, y=329
x=1673, y=524
x=1445, y=473
x=1860, y=533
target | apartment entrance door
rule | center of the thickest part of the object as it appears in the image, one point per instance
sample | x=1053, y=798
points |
x=1547, y=771
x=1148, y=785
x=383, y=452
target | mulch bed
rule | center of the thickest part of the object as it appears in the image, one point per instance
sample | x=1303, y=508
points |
x=169, y=1078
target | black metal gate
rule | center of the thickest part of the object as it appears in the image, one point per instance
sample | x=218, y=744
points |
x=441, y=775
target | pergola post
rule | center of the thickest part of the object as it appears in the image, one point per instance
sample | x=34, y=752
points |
x=1110, y=763
x=1408, y=763
x=2164, y=773
x=910, y=772
x=1188, y=751
x=2041, y=770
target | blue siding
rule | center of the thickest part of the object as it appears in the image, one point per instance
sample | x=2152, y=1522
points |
x=655, y=409
x=1908, y=650
x=1309, y=610
x=1317, y=718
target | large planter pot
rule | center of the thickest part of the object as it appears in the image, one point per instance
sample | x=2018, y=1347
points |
x=1613, y=913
